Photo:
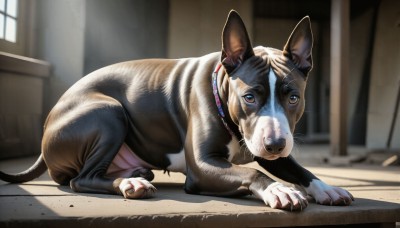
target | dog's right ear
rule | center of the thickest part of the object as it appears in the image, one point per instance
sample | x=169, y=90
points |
x=236, y=45
x=299, y=46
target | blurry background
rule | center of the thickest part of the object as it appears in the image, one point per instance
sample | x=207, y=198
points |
x=47, y=45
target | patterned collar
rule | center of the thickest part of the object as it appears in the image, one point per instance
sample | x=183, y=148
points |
x=217, y=98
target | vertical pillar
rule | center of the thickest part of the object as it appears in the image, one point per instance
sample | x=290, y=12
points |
x=339, y=76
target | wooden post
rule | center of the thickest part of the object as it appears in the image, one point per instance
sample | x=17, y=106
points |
x=339, y=76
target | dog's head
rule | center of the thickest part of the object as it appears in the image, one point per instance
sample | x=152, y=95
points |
x=266, y=86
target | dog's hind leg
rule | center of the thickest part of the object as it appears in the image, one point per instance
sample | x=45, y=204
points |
x=109, y=142
x=81, y=142
x=102, y=141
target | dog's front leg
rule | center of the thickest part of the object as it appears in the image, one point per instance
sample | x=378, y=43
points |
x=210, y=173
x=289, y=170
x=216, y=176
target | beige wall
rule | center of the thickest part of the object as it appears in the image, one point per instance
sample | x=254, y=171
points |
x=21, y=101
x=117, y=31
x=359, y=71
x=60, y=30
x=66, y=33
x=77, y=37
x=195, y=26
x=385, y=78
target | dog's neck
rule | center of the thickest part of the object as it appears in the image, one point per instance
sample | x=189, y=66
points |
x=220, y=86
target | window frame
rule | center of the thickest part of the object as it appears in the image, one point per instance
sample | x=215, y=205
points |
x=24, y=23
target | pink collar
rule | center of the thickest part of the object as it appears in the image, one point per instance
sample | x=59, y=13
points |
x=217, y=98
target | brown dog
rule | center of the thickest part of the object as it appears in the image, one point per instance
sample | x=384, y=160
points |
x=199, y=116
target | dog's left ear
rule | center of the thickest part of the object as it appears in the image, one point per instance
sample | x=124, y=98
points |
x=299, y=46
x=236, y=45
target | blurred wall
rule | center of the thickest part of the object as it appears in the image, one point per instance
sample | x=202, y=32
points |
x=385, y=78
x=122, y=30
x=60, y=38
x=195, y=26
x=77, y=37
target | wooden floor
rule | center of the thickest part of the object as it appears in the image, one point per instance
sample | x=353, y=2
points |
x=43, y=203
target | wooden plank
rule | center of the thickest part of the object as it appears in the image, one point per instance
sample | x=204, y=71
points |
x=339, y=76
x=43, y=203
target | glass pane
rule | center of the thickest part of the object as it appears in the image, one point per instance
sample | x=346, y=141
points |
x=12, y=7
x=2, y=5
x=11, y=29
x=2, y=26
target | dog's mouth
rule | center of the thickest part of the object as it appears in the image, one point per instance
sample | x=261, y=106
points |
x=271, y=157
x=259, y=149
x=269, y=141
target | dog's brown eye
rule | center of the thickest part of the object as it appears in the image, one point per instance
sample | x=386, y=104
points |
x=294, y=99
x=249, y=98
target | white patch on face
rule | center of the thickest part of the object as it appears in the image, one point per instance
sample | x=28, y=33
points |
x=178, y=162
x=271, y=123
x=272, y=85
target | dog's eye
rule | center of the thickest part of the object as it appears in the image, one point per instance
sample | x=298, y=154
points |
x=294, y=99
x=249, y=98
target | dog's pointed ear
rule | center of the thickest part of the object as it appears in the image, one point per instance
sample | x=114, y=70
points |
x=299, y=46
x=236, y=45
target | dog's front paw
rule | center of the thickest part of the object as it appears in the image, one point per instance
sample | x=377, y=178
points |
x=136, y=188
x=279, y=196
x=329, y=195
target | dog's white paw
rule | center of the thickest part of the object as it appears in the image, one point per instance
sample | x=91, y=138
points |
x=136, y=188
x=279, y=196
x=329, y=195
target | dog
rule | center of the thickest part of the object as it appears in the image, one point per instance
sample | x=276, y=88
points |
x=198, y=116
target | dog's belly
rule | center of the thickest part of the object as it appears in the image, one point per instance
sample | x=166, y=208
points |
x=125, y=163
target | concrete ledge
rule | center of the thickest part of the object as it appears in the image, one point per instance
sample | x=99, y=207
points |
x=43, y=203
x=24, y=65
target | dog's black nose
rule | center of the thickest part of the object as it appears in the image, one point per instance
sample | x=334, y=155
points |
x=274, y=146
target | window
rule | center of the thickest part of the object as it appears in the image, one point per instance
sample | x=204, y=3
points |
x=8, y=20
x=17, y=26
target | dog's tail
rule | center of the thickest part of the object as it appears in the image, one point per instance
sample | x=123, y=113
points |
x=33, y=172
